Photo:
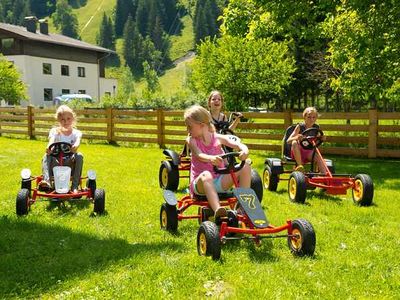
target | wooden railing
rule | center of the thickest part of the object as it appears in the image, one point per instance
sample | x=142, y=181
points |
x=370, y=134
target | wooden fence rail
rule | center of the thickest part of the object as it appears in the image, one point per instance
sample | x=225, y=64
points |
x=370, y=134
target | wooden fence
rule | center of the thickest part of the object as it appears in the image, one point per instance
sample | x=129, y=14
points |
x=370, y=134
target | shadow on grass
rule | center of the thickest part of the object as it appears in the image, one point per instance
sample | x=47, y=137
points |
x=64, y=207
x=34, y=257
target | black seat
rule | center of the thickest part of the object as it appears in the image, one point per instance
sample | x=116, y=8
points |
x=286, y=148
x=221, y=196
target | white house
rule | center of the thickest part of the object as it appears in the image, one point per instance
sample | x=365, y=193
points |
x=53, y=64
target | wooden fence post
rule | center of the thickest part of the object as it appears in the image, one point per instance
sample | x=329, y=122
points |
x=31, y=123
x=110, y=125
x=160, y=128
x=287, y=118
x=372, y=132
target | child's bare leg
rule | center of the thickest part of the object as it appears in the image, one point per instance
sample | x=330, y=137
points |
x=245, y=176
x=321, y=165
x=297, y=153
x=205, y=184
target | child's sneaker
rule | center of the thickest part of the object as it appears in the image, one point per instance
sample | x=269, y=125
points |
x=299, y=168
x=44, y=185
x=220, y=213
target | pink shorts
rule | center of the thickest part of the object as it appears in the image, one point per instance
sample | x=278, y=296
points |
x=304, y=153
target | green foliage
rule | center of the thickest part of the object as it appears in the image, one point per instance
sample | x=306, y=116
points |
x=65, y=20
x=106, y=37
x=14, y=12
x=240, y=67
x=12, y=89
x=205, y=20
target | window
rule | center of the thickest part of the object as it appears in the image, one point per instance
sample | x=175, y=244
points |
x=64, y=91
x=81, y=72
x=46, y=68
x=7, y=43
x=81, y=91
x=48, y=95
x=64, y=70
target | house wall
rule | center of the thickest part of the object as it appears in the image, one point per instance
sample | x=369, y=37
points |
x=31, y=69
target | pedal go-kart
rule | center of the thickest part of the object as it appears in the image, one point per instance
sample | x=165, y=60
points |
x=332, y=183
x=245, y=219
x=59, y=191
x=176, y=166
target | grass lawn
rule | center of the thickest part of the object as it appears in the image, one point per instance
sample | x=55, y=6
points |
x=64, y=252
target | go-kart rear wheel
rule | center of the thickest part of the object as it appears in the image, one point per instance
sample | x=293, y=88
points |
x=270, y=180
x=256, y=184
x=168, y=176
x=169, y=217
x=22, y=202
x=303, y=240
x=208, y=242
x=99, y=201
x=363, y=190
x=297, y=187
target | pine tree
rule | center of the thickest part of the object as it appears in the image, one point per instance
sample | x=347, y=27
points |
x=123, y=9
x=65, y=20
x=105, y=36
x=133, y=47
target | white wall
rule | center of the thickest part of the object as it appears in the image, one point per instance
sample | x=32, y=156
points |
x=31, y=69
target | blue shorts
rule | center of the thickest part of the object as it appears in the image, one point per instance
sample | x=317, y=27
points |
x=217, y=185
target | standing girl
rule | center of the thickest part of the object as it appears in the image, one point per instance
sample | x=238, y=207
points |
x=206, y=148
x=64, y=132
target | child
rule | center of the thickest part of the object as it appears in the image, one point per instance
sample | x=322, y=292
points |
x=215, y=105
x=65, y=132
x=206, y=147
x=298, y=153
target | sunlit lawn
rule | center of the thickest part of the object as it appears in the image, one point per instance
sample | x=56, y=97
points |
x=64, y=252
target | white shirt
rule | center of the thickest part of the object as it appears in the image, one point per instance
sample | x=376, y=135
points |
x=55, y=136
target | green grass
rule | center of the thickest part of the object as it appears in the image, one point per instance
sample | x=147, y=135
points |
x=64, y=252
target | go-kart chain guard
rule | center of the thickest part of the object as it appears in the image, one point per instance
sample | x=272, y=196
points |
x=249, y=202
x=169, y=197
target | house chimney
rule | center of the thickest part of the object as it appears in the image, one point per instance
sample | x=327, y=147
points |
x=30, y=23
x=43, y=26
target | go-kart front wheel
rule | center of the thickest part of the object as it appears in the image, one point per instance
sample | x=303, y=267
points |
x=256, y=184
x=99, y=201
x=270, y=180
x=169, y=217
x=168, y=176
x=297, y=187
x=303, y=240
x=208, y=242
x=363, y=190
x=22, y=202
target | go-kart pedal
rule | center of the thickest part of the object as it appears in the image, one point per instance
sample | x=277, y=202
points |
x=249, y=202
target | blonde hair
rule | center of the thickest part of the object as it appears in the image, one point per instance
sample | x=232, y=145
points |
x=64, y=109
x=213, y=93
x=310, y=110
x=199, y=114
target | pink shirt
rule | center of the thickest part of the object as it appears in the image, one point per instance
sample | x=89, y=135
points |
x=198, y=166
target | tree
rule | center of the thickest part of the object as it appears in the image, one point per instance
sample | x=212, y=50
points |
x=205, y=20
x=105, y=37
x=242, y=69
x=65, y=20
x=12, y=89
x=123, y=9
x=132, y=51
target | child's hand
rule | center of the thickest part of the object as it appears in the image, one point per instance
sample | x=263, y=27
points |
x=48, y=151
x=74, y=148
x=243, y=155
x=216, y=160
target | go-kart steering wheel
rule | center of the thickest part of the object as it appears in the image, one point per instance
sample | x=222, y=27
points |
x=231, y=166
x=60, y=147
x=312, y=137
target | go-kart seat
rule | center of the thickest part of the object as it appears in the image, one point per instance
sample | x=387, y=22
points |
x=221, y=196
x=286, y=148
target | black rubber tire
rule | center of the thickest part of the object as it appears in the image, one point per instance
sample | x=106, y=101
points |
x=91, y=184
x=363, y=191
x=169, y=217
x=99, y=201
x=22, y=202
x=168, y=176
x=305, y=244
x=256, y=184
x=208, y=241
x=270, y=180
x=297, y=187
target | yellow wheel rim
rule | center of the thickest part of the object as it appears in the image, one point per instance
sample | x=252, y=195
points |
x=358, y=190
x=292, y=188
x=296, y=240
x=164, y=219
x=203, y=244
x=266, y=179
x=164, y=177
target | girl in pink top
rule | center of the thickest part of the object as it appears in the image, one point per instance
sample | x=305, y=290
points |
x=206, y=148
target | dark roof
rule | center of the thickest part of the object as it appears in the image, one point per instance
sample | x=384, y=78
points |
x=58, y=39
